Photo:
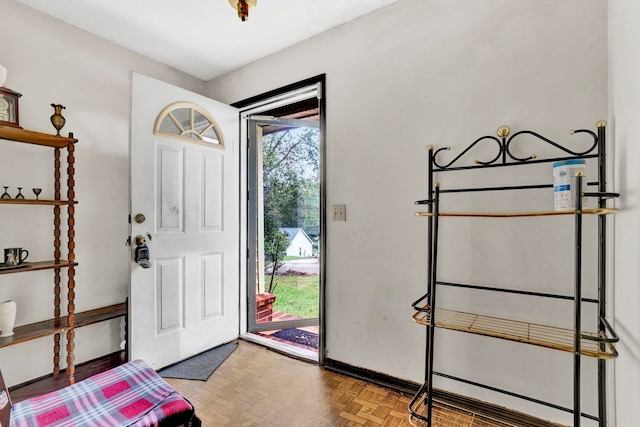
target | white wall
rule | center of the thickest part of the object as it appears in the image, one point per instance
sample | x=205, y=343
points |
x=624, y=69
x=444, y=72
x=51, y=62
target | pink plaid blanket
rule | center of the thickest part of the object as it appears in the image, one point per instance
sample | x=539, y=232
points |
x=132, y=394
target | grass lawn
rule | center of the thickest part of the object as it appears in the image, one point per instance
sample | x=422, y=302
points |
x=297, y=295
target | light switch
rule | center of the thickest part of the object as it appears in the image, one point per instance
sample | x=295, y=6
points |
x=339, y=212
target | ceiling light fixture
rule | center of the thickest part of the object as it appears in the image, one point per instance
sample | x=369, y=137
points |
x=242, y=6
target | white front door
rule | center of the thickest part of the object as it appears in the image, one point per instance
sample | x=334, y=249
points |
x=187, y=301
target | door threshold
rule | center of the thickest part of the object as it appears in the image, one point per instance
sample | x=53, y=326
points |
x=297, y=352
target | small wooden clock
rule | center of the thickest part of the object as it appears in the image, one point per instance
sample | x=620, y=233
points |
x=9, y=107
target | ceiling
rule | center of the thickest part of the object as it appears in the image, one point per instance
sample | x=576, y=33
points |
x=205, y=38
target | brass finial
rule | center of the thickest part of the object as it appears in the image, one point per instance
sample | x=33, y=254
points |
x=430, y=147
x=571, y=132
x=579, y=173
x=436, y=184
x=601, y=124
x=504, y=131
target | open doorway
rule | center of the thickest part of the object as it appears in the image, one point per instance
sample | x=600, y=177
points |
x=285, y=221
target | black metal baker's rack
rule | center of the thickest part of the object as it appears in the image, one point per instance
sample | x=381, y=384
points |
x=599, y=343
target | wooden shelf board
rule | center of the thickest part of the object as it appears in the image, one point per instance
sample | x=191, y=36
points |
x=603, y=211
x=33, y=331
x=52, y=326
x=100, y=314
x=514, y=330
x=37, y=138
x=37, y=202
x=40, y=265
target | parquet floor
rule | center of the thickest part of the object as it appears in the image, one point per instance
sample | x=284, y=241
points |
x=259, y=387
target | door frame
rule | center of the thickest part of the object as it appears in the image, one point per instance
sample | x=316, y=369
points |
x=254, y=105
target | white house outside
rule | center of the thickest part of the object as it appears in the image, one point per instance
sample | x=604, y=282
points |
x=300, y=243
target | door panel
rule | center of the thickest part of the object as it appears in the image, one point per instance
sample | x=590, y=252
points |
x=212, y=289
x=188, y=192
x=170, y=291
x=170, y=182
x=213, y=193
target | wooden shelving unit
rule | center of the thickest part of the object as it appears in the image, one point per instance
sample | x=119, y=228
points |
x=59, y=323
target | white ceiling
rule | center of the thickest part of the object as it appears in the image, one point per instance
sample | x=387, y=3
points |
x=205, y=38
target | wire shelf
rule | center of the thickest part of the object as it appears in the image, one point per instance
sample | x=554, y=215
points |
x=446, y=414
x=514, y=330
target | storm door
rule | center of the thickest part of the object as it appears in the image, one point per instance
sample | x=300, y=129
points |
x=283, y=223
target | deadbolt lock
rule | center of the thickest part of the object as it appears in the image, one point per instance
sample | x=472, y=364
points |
x=139, y=218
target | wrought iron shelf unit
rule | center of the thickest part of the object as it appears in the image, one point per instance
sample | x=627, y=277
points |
x=596, y=343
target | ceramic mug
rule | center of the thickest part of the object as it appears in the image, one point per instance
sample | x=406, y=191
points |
x=13, y=256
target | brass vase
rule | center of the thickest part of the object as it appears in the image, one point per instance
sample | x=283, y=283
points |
x=57, y=120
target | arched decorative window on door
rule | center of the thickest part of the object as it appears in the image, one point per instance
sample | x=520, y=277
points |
x=190, y=122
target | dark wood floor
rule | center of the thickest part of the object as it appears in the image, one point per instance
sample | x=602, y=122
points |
x=51, y=383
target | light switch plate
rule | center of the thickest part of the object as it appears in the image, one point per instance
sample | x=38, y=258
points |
x=339, y=212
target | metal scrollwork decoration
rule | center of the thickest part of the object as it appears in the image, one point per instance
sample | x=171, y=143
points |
x=504, y=142
x=550, y=142
x=476, y=142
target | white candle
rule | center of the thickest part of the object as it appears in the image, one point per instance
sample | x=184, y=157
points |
x=3, y=75
x=7, y=318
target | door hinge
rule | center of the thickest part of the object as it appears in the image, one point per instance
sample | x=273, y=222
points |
x=128, y=242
